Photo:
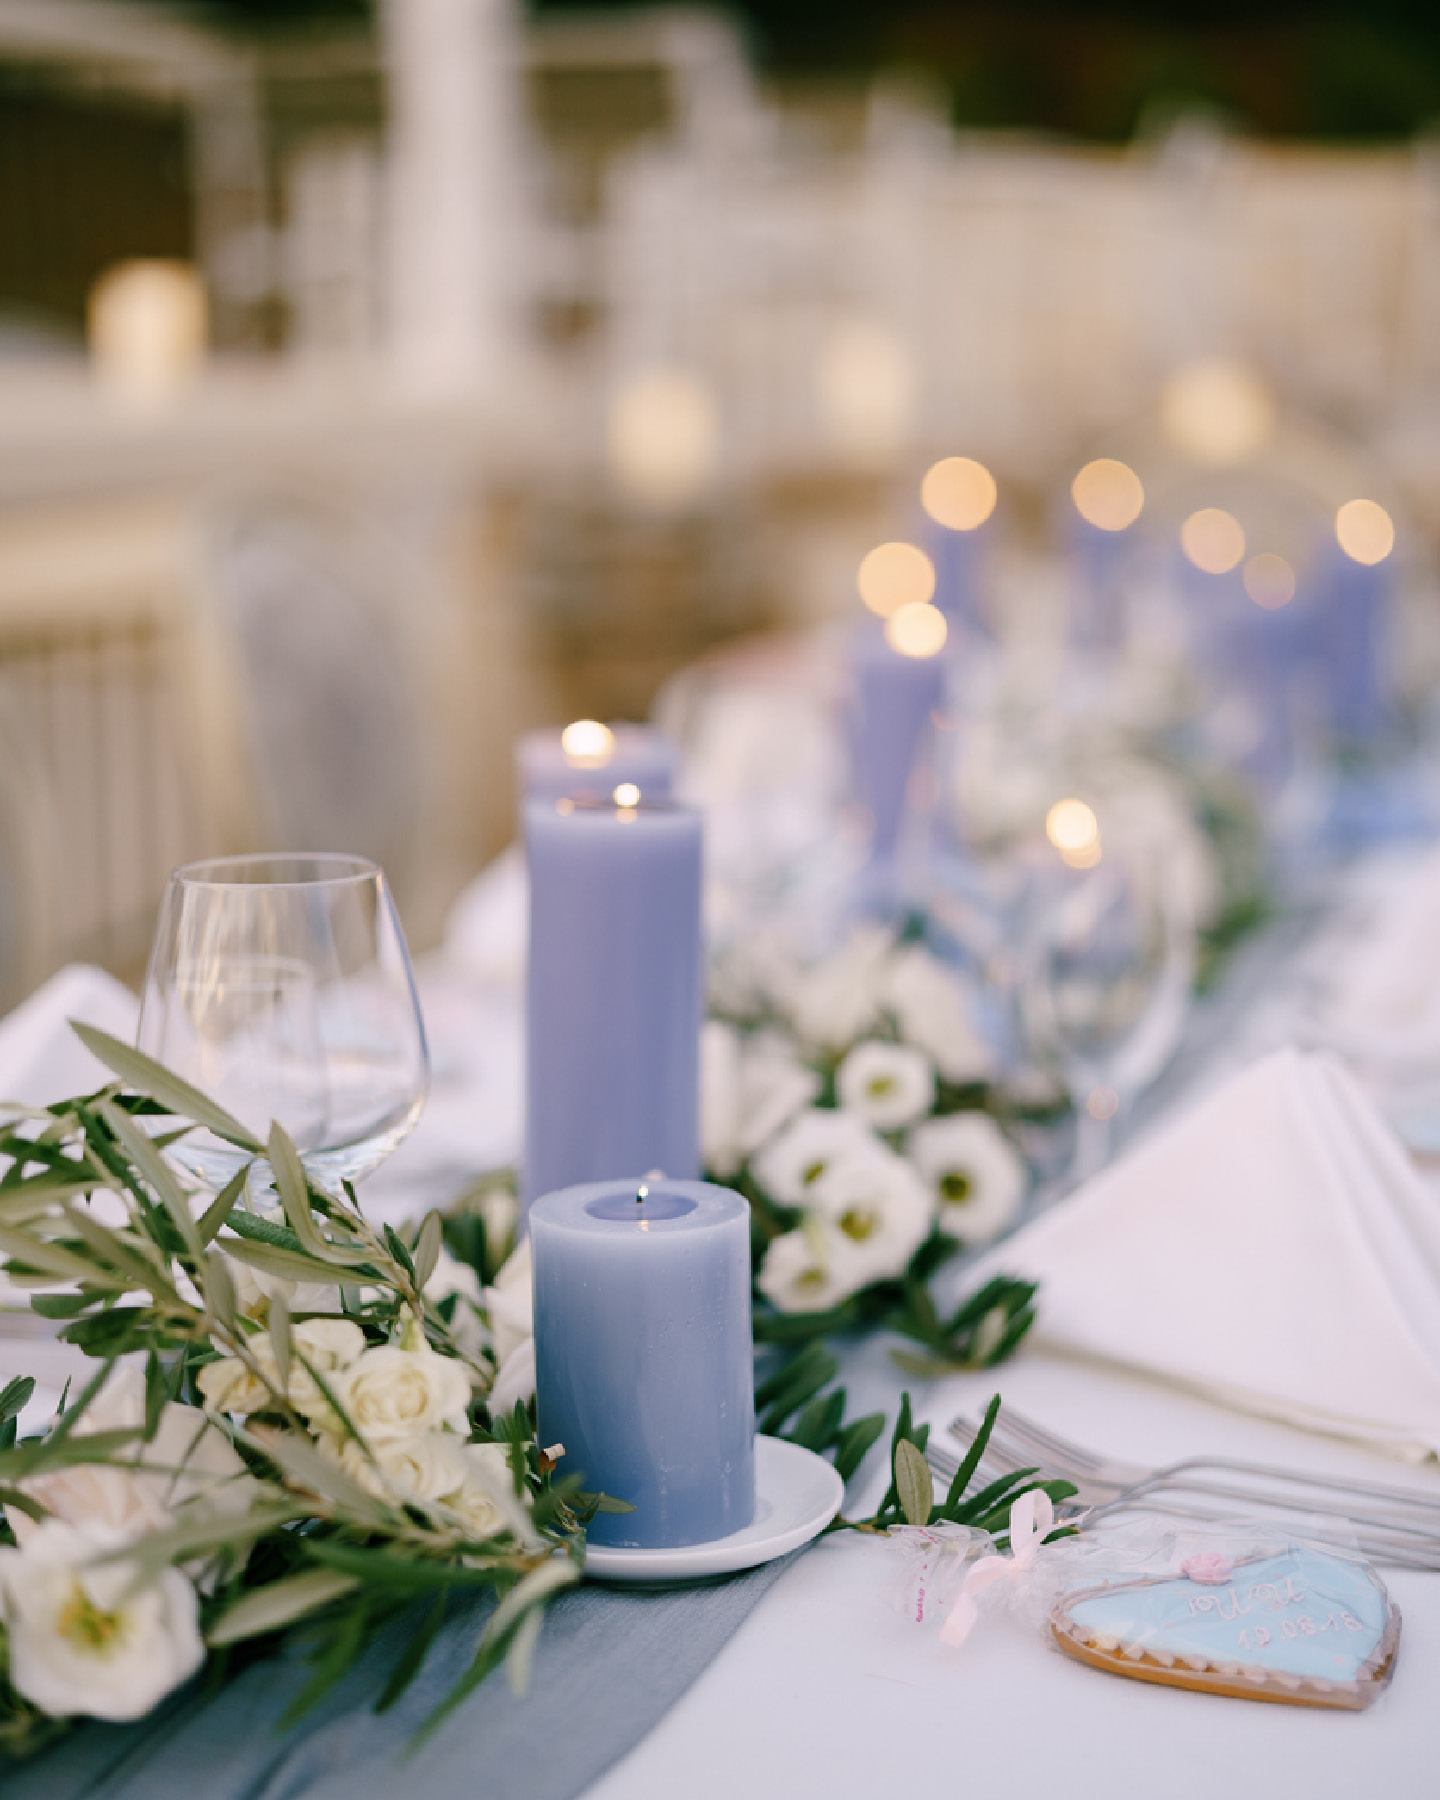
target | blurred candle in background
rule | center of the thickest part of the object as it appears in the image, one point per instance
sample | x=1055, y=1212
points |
x=1355, y=578
x=893, y=692
x=588, y=761
x=643, y=1357
x=1107, y=498
x=613, y=990
x=958, y=496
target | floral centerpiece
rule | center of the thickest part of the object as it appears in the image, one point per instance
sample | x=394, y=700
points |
x=297, y=1423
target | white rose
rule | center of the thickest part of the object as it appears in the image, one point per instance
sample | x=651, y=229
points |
x=488, y=1502
x=934, y=1010
x=810, y=1270
x=833, y=1001
x=423, y=1467
x=881, y=1205
x=393, y=1392
x=790, y=1164
x=889, y=1086
x=749, y=1088
x=510, y=1303
x=328, y=1345
x=83, y=1636
x=974, y=1172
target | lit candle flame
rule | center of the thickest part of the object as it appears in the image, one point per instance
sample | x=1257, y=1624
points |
x=627, y=794
x=895, y=575
x=959, y=492
x=1213, y=539
x=1108, y=494
x=1073, y=829
x=1365, y=531
x=917, y=630
x=587, y=744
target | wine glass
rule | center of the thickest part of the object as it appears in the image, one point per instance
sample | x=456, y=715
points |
x=1110, y=966
x=281, y=987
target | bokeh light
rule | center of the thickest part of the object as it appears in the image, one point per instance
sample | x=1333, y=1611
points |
x=627, y=794
x=148, y=324
x=663, y=437
x=1213, y=539
x=1217, y=412
x=1269, y=580
x=587, y=744
x=959, y=492
x=1108, y=494
x=917, y=629
x=1365, y=531
x=1073, y=829
x=894, y=575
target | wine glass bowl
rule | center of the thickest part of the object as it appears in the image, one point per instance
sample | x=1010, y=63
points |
x=281, y=987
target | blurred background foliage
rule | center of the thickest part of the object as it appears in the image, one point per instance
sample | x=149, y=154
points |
x=1102, y=72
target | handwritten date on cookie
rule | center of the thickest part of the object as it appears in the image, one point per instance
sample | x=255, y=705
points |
x=1300, y=1627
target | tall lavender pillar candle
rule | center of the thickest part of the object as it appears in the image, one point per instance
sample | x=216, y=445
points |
x=892, y=698
x=588, y=761
x=613, y=992
x=643, y=1357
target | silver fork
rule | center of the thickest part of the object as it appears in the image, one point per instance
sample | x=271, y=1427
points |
x=1411, y=1511
x=1376, y=1538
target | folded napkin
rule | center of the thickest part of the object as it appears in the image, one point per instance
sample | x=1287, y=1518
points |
x=1273, y=1248
x=41, y=1059
x=1383, y=986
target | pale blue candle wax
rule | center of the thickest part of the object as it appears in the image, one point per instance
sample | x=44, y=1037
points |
x=613, y=993
x=637, y=755
x=643, y=1354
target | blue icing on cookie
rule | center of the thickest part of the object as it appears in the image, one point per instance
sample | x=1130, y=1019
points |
x=1297, y=1613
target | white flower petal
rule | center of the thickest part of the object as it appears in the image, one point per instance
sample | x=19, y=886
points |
x=890, y=1086
x=976, y=1175
x=790, y=1164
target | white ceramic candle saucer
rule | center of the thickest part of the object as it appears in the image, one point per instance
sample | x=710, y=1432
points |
x=797, y=1494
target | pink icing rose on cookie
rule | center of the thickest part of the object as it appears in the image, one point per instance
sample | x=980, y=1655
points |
x=1209, y=1569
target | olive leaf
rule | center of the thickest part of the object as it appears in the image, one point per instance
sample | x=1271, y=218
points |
x=289, y=1173
x=914, y=1483
x=171, y=1090
x=279, y=1603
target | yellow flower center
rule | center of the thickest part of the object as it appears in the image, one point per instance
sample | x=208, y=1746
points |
x=878, y=1086
x=86, y=1625
x=813, y=1171
x=811, y=1278
x=955, y=1186
x=858, y=1224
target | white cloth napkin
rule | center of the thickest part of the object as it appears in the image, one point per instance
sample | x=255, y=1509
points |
x=1383, y=999
x=1273, y=1248
x=41, y=1059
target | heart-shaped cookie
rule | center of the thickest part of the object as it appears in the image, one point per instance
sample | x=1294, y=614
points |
x=1298, y=1626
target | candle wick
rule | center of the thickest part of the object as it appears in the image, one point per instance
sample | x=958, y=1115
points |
x=641, y=1193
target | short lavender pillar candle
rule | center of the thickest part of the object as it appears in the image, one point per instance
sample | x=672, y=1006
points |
x=613, y=992
x=588, y=761
x=643, y=1354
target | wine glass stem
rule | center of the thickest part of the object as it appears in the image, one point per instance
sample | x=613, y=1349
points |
x=1092, y=1144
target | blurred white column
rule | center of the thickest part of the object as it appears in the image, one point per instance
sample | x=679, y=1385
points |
x=455, y=241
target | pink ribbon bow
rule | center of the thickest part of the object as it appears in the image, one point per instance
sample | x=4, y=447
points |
x=1031, y=1518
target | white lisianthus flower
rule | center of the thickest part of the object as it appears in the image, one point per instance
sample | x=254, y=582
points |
x=254, y=1287
x=392, y=1392
x=881, y=1206
x=509, y=1303
x=749, y=1088
x=975, y=1174
x=450, y=1276
x=889, y=1086
x=514, y=1379
x=87, y=1637
x=933, y=1010
x=188, y=1463
x=832, y=1002
x=814, y=1141
x=810, y=1270
x=423, y=1467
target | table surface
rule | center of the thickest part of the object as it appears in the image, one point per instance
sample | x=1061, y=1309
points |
x=828, y=1686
